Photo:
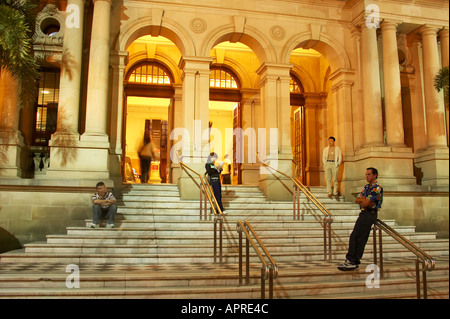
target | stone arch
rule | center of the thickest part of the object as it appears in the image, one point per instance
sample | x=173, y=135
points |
x=160, y=57
x=168, y=29
x=305, y=78
x=251, y=38
x=240, y=72
x=333, y=51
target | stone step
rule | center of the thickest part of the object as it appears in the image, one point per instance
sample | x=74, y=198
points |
x=183, y=257
x=181, y=247
x=295, y=280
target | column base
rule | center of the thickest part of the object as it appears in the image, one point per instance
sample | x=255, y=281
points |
x=75, y=157
x=11, y=145
x=274, y=185
x=395, y=168
x=189, y=182
x=250, y=174
x=432, y=168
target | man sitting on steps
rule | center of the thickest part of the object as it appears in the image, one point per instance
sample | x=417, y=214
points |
x=103, y=202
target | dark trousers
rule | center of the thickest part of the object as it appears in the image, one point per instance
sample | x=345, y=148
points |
x=360, y=235
x=217, y=189
x=98, y=211
x=145, y=169
x=226, y=179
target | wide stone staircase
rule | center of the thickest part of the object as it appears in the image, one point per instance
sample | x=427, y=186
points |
x=161, y=248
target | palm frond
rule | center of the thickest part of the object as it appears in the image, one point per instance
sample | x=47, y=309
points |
x=16, y=49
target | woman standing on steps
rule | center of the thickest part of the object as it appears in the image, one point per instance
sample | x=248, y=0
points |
x=214, y=178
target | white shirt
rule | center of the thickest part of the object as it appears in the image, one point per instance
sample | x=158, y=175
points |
x=337, y=155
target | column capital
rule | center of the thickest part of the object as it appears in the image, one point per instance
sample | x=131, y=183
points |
x=443, y=33
x=119, y=58
x=109, y=1
x=194, y=63
x=428, y=30
x=274, y=68
x=389, y=25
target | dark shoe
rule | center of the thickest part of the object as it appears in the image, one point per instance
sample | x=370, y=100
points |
x=347, y=266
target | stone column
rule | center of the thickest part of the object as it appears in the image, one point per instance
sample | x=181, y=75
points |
x=275, y=103
x=70, y=78
x=119, y=61
x=343, y=82
x=313, y=102
x=90, y=153
x=392, y=86
x=443, y=36
x=373, y=124
x=11, y=140
x=97, y=93
x=433, y=162
x=195, y=119
x=433, y=102
x=64, y=142
x=250, y=106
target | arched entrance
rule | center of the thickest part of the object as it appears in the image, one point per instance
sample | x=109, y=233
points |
x=148, y=95
x=224, y=117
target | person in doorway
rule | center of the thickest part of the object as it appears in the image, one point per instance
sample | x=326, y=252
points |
x=104, y=203
x=226, y=172
x=332, y=158
x=370, y=200
x=213, y=172
x=146, y=154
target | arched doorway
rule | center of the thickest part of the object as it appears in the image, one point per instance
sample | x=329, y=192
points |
x=148, y=95
x=225, y=116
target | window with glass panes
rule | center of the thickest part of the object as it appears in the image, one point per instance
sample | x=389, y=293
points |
x=149, y=73
x=47, y=106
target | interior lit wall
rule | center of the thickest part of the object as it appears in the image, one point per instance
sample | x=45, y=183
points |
x=138, y=110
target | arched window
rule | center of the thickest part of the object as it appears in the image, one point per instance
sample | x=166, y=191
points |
x=296, y=89
x=296, y=86
x=149, y=78
x=222, y=79
x=223, y=85
x=149, y=73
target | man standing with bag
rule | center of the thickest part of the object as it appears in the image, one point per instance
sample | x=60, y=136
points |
x=331, y=158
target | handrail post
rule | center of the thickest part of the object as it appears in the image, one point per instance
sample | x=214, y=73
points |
x=247, y=261
x=240, y=256
x=215, y=240
x=417, y=279
x=380, y=243
x=201, y=203
x=294, y=201
x=375, y=261
x=329, y=238
x=271, y=283
x=424, y=281
x=263, y=283
x=325, y=238
x=220, y=239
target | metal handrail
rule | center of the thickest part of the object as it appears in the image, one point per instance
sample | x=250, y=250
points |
x=269, y=270
x=328, y=217
x=218, y=214
x=428, y=263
